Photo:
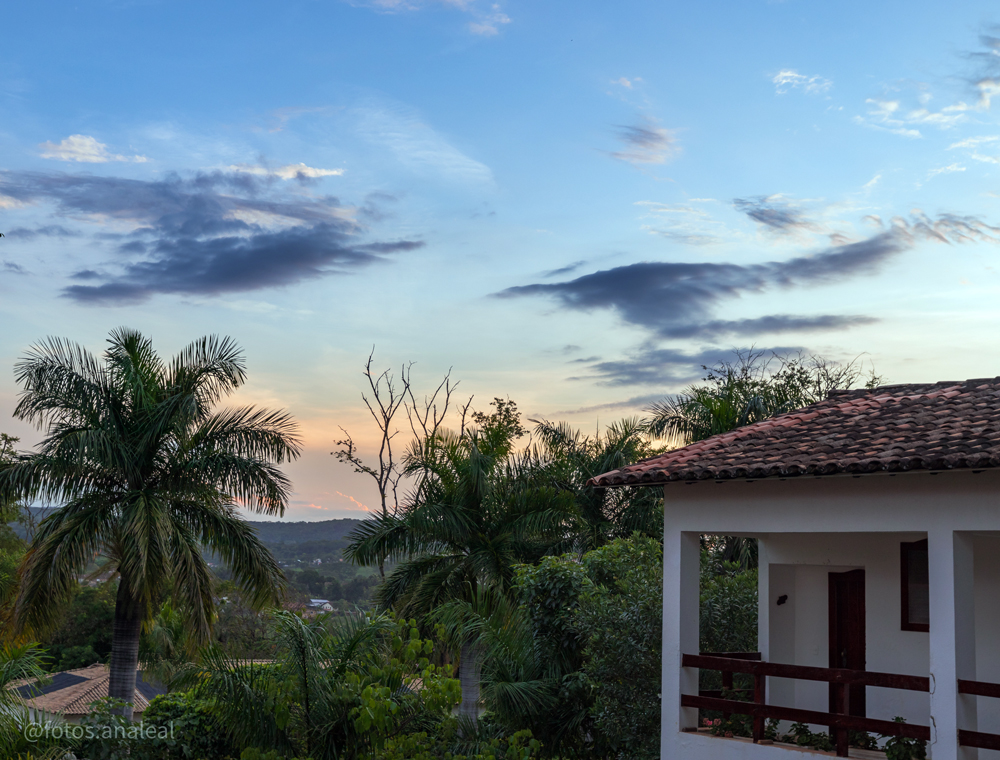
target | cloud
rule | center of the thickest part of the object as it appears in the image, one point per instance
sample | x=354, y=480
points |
x=946, y=170
x=487, y=21
x=48, y=230
x=658, y=366
x=626, y=82
x=209, y=234
x=84, y=149
x=974, y=142
x=790, y=79
x=683, y=222
x=774, y=213
x=678, y=300
x=636, y=402
x=290, y=171
x=418, y=146
x=646, y=143
x=489, y=25
x=12, y=268
x=564, y=270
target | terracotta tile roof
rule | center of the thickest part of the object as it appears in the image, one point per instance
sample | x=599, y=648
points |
x=894, y=428
x=70, y=693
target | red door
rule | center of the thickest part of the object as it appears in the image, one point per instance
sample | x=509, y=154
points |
x=847, y=633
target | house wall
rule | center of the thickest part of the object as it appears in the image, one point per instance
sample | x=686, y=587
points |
x=798, y=564
x=851, y=512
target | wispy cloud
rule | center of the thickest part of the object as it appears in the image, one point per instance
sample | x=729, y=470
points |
x=775, y=213
x=289, y=171
x=209, y=234
x=488, y=18
x=646, y=143
x=48, y=230
x=84, y=149
x=950, y=169
x=790, y=79
x=683, y=222
x=418, y=146
x=974, y=146
x=489, y=24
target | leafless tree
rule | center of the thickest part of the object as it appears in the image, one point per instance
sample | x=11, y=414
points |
x=385, y=395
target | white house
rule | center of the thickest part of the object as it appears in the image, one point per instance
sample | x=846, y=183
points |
x=878, y=520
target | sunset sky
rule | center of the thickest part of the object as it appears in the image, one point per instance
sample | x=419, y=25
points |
x=571, y=204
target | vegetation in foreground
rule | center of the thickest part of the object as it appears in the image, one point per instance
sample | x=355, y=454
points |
x=501, y=566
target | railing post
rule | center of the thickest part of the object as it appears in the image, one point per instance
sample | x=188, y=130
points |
x=840, y=735
x=727, y=683
x=759, y=698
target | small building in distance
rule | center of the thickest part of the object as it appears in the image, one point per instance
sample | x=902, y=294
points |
x=69, y=694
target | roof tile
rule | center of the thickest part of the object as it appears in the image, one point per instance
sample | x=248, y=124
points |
x=895, y=428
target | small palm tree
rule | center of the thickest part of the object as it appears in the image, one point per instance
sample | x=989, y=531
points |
x=24, y=663
x=605, y=513
x=335, y=690
x=478, y=510
x=149, y=474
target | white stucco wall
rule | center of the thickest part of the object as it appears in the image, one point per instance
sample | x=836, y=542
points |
x=798, y=564
x=860, y=522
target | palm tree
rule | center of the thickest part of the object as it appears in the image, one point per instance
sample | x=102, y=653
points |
x=310, y=701
x=479, y=508
x=149, y=474
x=605, y=513
x=18, y=664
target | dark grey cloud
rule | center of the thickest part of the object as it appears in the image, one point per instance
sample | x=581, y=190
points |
x=663, y=367
x=773, y=213
x=564, y=270
x=678, y=300
x=636, y=402
x=48, y=230
x=645, y=143
x=11, y=267
x=777, y=323
x=210, y=234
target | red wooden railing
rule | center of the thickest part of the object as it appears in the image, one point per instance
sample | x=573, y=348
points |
x=839, y=722
x=977, y=738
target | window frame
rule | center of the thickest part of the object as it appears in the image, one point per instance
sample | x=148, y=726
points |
x=904, y=575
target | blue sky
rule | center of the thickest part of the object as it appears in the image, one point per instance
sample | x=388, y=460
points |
x=573, y=204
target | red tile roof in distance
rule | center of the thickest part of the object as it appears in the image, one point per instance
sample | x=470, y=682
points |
x=894, y=428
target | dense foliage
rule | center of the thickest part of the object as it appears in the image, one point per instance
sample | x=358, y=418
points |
x=149, y=473
x=503, y=567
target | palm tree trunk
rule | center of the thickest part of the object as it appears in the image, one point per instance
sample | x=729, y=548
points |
x=125, y=648
x=469, y=671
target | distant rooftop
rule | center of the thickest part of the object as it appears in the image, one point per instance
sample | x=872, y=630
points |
x=895, y=428
x=70, y=693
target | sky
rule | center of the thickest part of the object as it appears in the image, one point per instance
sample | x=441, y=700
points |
x=573, y=205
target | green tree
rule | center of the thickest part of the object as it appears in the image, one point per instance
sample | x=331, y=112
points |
x=337, y=687
x=149, y=473
x=750, y=389
x=12, y=547
x=81, y=630
x=478, y=509
x=22, y=662
x=605, y=513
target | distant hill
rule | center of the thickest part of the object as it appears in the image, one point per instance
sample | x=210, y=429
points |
x=299, y=532
x=269, y=532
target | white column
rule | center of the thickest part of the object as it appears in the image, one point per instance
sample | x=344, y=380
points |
x=952, y=640
x=681, y=562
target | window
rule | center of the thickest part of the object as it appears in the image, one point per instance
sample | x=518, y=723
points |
x=915, y=588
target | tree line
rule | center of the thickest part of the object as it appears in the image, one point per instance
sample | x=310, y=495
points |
x=518, y=609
